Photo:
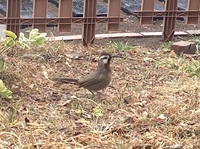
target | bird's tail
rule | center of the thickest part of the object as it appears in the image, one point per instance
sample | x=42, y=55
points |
x=64, y=80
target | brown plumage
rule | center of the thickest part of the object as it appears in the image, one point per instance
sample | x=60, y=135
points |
x=95, y=81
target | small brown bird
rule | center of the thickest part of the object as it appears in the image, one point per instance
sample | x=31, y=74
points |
x=95, y=81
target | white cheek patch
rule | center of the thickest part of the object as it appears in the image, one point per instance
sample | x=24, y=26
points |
x=105, y=61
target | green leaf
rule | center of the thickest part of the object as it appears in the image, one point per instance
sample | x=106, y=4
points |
x=8, y=41
x=39, y=39
x=35, y=38
x=22, y=38
x=4, y=91
x=33, y=34
x=10, y=34
x=23, y=41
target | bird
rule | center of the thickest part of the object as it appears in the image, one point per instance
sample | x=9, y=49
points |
x=97, y=80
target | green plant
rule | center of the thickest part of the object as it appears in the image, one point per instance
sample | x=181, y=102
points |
x=121, y=46
x=10, y=41
x=12, y=116
x=196, y=39
x=4, y=91
x=35, y=38
x=98, y=111
x=193, y=68
x=166, y=45
x=182, y=64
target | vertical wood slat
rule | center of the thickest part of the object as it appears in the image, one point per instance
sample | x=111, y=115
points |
x=114, y=7
x=40, y=11
x=88, y=31
x=147, y=12
x=13, y=11
x=192, y=17
x=65, y=25
x=170, y=19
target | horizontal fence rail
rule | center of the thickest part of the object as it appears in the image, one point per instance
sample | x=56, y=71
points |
x=169, y=14
x=89, y=20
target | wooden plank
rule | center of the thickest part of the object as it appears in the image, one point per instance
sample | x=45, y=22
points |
x=193, y=32
x=117, y=35
x=151, y=33
x=124, y=35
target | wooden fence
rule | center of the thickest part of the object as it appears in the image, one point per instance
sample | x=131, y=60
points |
x=90, y=19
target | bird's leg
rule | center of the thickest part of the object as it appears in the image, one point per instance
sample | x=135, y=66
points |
x=92, y=92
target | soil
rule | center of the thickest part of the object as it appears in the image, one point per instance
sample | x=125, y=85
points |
x=152, y=101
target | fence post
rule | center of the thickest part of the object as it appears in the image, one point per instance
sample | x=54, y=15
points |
x=13, y=13
x=89, y=15
x=169, y=19
x=40, y=14
x=114, y=7
x=192, y=17
x=65, y=26
x=147, y=12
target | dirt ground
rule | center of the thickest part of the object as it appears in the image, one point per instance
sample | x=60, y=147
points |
x=130, y=24
x=153, y=101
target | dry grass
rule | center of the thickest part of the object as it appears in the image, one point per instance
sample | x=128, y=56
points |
x=151, y=104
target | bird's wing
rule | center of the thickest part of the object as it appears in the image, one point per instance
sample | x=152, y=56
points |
x=89, y=80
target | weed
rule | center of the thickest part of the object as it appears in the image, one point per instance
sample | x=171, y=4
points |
x=12, y=116
x=182, y=65
x=166, y=45
x=196, y=39
x=121, y=46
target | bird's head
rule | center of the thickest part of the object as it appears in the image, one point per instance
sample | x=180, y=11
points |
x=105, y=58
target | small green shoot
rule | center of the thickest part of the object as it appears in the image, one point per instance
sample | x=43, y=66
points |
x=78, y=112
x=196, y=40
x=12, y=115
x=121, y=46
x=98, y=112
x=1, y=64
x=166, y=45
